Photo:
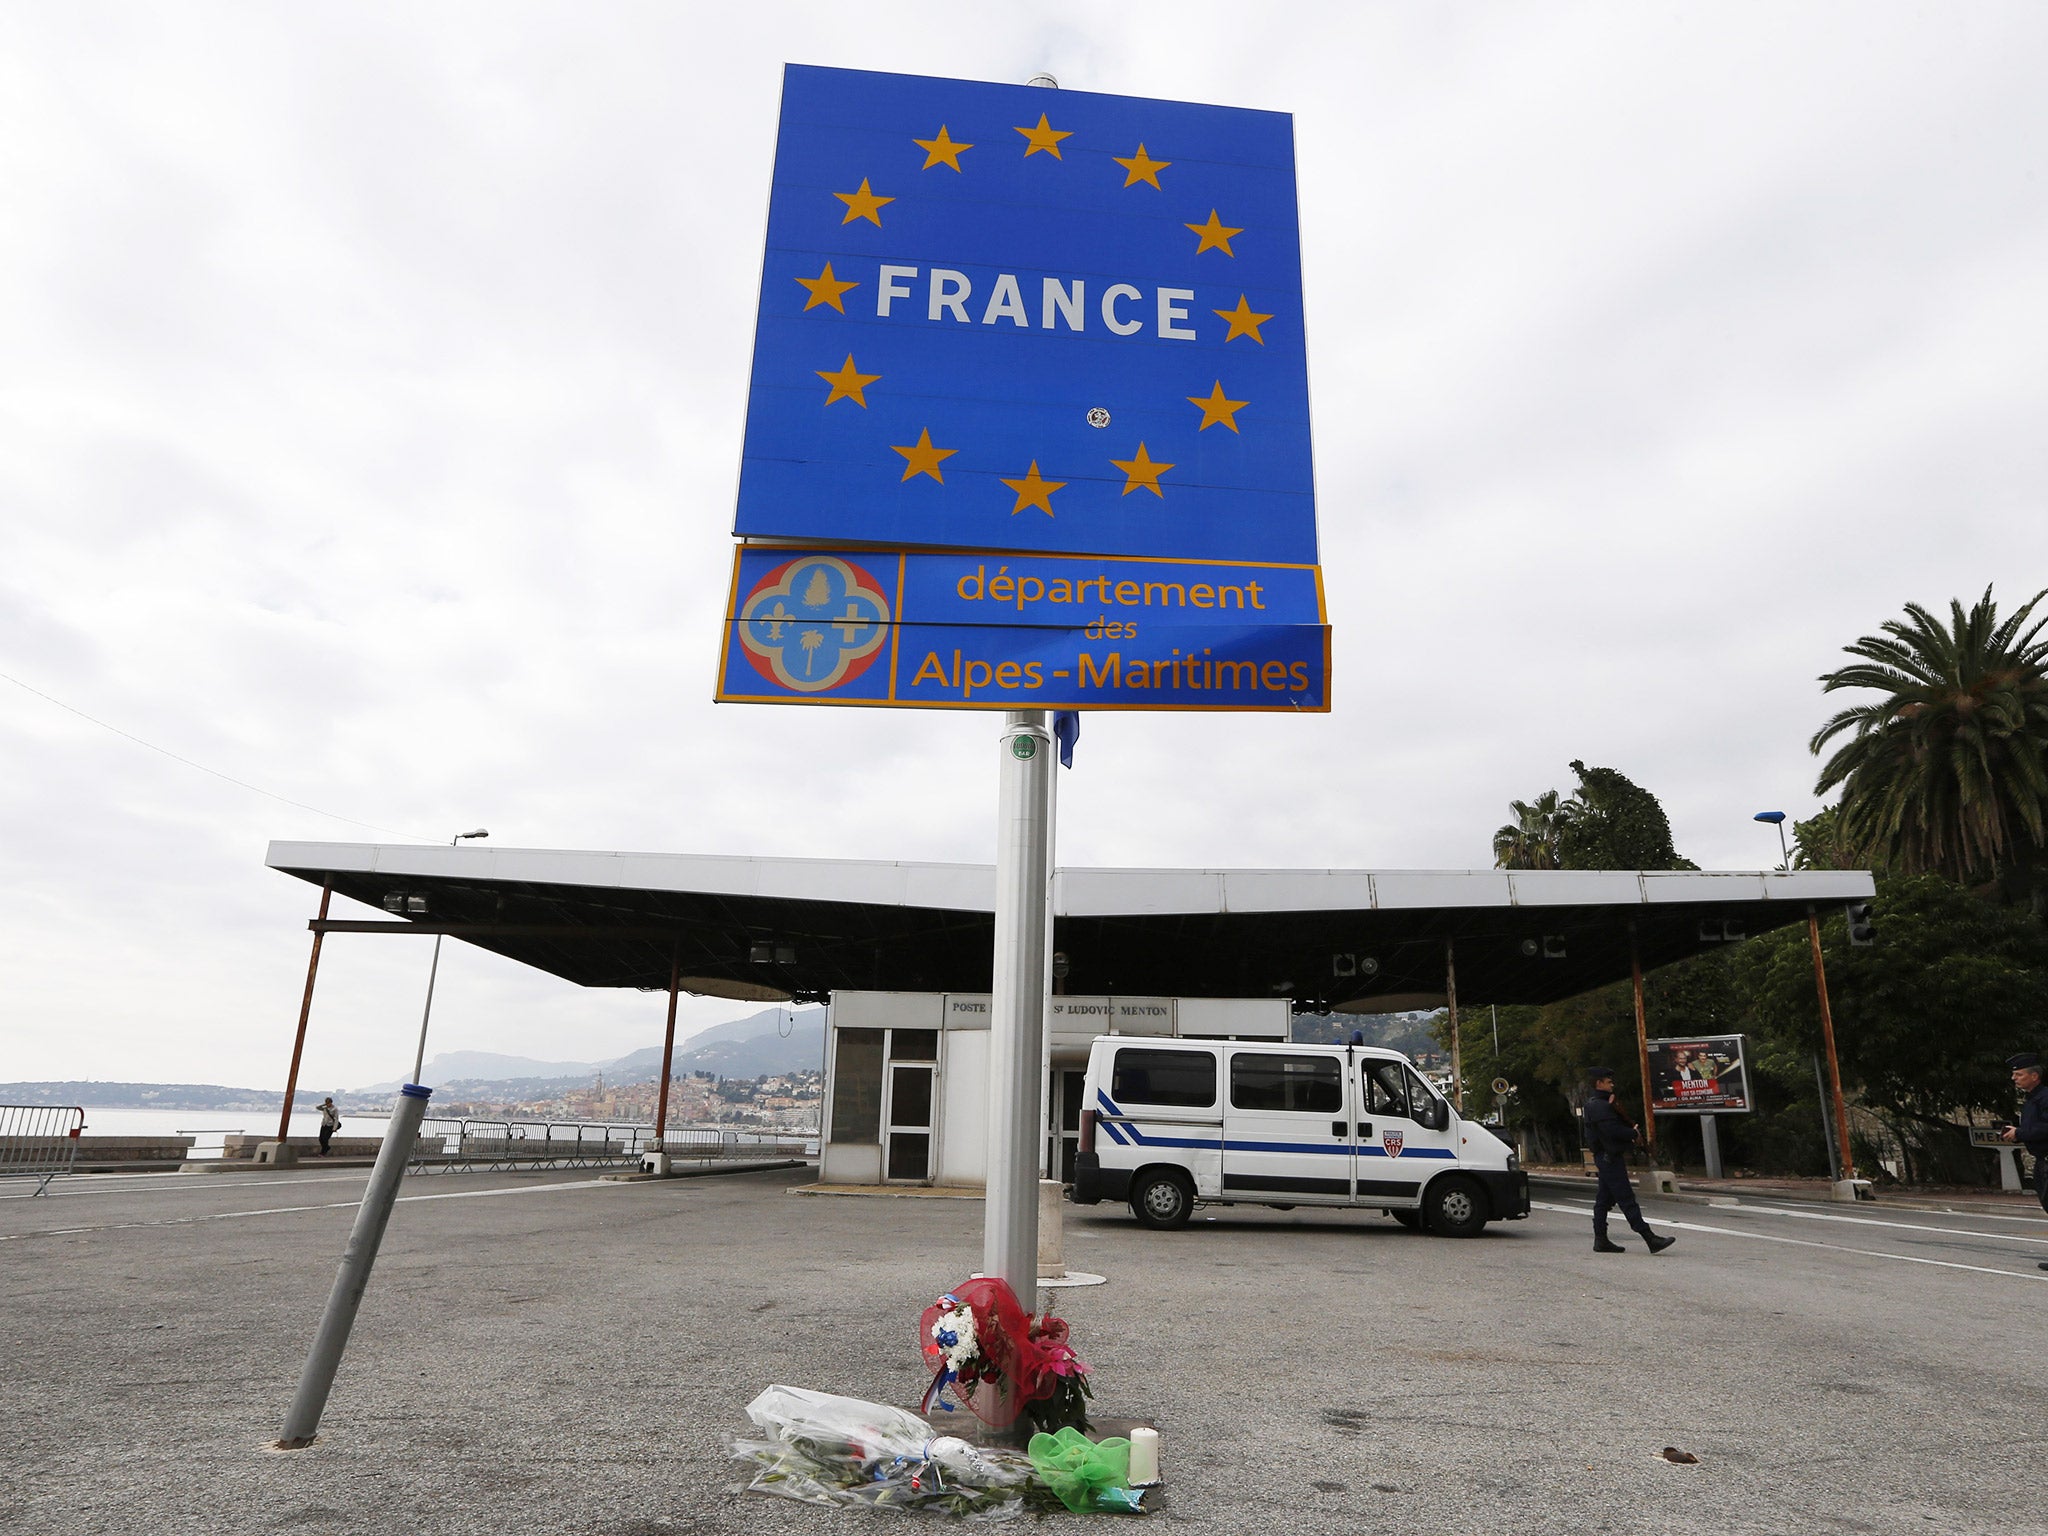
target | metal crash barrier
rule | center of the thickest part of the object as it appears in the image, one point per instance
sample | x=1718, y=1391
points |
x=450, y=1145
x=445, y=1146
x=39, y=1141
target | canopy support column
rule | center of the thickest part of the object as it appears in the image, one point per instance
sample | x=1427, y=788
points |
x=1457, y=1045
x=291, y=1081
x=1635, y=971
x=668, y=1052
x=1827, y=1034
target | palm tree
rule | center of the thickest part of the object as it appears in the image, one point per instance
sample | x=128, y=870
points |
x=1947, y=771
x=1531, y=840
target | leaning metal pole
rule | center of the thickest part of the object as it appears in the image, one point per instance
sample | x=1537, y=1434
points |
x=302, y=1421
x=1009, y=1249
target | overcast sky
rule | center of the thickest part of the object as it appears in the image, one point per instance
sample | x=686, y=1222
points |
x=371, y=388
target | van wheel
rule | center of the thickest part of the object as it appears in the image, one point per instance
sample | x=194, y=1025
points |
x=1455, y=1207
x=1162, y=1201
x=1412, y=1220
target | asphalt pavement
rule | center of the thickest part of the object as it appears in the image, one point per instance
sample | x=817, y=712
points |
x=556, y=1352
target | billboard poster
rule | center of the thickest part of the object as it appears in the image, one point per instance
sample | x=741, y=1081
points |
x=1705, y=1074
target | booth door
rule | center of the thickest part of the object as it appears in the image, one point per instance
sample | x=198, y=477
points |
x=907, y=1133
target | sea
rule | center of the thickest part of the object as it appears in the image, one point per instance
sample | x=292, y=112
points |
x=209, y=1126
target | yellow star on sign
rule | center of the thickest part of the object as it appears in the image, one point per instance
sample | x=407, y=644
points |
x=1214, y=408
x=1034, y=492
x=1045, y=137
x=1244, y=321
x=826, y=289
x=863, y=204
x=1143, y=470
x=1142, y=167
x=940, y=151
x=848, y=383
x=921, y=458
x=1215, y=235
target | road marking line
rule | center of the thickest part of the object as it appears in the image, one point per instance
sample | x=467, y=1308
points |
x=293, y=1210
x=1800, y=1242
x=1897, y=1226
x=106, y=1183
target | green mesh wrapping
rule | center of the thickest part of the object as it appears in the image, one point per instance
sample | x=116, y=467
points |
x=1077, y=1468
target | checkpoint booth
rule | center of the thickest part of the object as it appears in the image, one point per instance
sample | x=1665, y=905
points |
x=906, y=1075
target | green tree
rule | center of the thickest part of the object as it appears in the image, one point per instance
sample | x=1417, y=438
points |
x=1946, y=772
x=1530, y=841
x=1615, y=824
x=1924, y=1019
x=1822, y=842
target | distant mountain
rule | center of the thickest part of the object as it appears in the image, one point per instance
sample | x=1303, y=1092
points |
x=192, y=1096
x=754, y=1046
x=1403, y=1032
x=763, y=1054
x=451, y=1066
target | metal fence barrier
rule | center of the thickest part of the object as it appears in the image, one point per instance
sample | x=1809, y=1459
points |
x=449, y=1145
x=39, y=1141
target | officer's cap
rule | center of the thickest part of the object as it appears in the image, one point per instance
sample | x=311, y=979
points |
x=2026, y=1060
x=1600, y=1072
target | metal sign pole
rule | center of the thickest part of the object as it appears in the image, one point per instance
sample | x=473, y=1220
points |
x=1710, y=1145
x=1048, y=1127
x=1017, y=1009
x=302, y=1419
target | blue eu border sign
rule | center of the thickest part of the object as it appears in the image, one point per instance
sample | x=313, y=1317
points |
x=1059, y=326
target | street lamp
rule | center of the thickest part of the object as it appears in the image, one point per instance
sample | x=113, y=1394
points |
x=1777, y=819
x=419, y=1061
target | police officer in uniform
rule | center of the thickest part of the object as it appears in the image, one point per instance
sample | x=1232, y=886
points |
x=2032, y=1131
x=1610, y=1136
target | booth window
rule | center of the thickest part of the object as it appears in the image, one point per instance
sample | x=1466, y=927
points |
x=857, y=1086
x=1183, y=1078
x=913, y=1045
x=1310, y=1084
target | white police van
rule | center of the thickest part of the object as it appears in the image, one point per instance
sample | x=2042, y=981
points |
x=1169, y=1124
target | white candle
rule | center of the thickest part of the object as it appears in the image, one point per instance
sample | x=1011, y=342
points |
x=1144, y=1455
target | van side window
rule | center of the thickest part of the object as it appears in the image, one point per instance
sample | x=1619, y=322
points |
x=1386, y=1089
x=1307, y=1083
x=1184, y=1078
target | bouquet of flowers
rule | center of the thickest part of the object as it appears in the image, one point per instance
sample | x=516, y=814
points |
x=1004, y=1363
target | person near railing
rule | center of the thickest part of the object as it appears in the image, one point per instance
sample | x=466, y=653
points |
x=330, y=1122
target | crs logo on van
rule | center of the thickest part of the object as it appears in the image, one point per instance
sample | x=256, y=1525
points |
x=1392, y=1141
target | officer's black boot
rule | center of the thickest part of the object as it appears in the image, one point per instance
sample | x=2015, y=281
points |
x=1657, y=1244
x=1602, y=1244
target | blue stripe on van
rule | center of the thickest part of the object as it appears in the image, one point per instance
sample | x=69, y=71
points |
x=1321, y=1148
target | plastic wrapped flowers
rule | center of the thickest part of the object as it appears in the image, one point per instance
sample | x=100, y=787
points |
x=822, y=1449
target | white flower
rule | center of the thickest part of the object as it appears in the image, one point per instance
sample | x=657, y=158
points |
x=954, y=1334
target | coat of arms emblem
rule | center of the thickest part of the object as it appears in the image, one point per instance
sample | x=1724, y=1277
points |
x=1392, y=1141
x=814, y=623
